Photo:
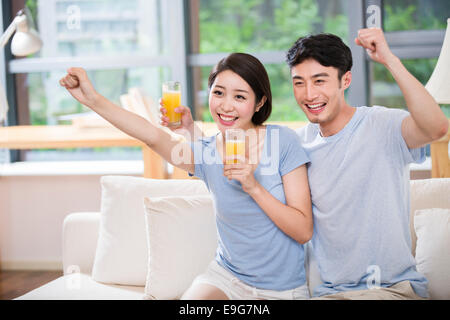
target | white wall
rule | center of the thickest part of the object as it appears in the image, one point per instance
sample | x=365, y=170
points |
x=32, y=211
x=33, y=208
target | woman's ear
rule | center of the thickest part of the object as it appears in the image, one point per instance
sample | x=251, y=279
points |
x=260, y=103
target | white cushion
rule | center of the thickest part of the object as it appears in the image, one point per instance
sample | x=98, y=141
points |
x=432, y=228
x=122, y=254
x=79, y=286
x=182, y=241
x=425, y=194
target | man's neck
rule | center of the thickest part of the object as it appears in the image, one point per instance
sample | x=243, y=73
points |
x=338, y=123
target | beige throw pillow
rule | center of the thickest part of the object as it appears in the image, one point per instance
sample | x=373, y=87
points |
x=122, y=253
x=182, y=241
x=432, y=228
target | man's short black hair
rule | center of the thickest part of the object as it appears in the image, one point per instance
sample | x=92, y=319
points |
x=327, y=49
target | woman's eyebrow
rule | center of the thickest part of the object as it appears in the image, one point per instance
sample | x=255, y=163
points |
x=236, y=90
x=241, y=90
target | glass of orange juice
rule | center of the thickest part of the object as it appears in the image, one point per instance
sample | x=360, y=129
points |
x=171, y=95
x=234, y=146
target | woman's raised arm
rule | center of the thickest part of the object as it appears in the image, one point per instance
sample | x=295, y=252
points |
x=174, y=151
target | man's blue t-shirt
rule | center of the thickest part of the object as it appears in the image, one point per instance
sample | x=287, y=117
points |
x=250, y=245
x=359, y=181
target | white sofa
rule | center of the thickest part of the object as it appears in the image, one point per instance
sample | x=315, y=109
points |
x=81, y=236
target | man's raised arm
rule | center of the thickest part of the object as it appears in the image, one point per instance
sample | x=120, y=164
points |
x=426, y=122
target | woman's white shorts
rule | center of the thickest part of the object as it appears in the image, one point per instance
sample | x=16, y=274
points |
x=235, y=289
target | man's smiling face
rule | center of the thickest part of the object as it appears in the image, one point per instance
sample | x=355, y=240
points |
x=318, y=90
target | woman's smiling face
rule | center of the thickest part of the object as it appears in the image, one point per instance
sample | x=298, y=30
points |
x=232, y=102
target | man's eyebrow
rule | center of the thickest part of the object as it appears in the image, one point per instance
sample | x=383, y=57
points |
x=318, y=75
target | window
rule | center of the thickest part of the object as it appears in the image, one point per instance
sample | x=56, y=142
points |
x=121, y=43
x=415, y=14
x=385, y=90
x=99, y=27
x=140, y=43
x=265, y=25
x=416, y=29
x=50, y=105
x=265, y=28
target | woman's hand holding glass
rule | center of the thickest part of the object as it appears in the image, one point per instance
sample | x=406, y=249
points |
x=187, y=122
x=242, y=171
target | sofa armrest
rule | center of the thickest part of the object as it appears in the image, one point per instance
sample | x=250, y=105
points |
x=80, y=235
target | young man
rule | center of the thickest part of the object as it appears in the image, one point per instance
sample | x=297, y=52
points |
x=358, y=174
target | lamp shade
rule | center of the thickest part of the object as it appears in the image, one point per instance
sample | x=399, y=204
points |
x=439, y=83
x=25, y=43
x=26, y=40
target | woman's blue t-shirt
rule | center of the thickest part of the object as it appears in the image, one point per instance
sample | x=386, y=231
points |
x=250, y=245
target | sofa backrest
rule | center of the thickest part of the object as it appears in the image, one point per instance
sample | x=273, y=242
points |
x=426, y=194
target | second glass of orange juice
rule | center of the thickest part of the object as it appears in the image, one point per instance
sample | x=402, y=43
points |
x=171, y=95
x=234, y=146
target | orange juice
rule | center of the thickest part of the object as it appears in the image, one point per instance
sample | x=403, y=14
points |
x=233, y=149
x=172, y=99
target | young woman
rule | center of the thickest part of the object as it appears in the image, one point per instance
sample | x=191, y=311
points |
x=263, y=207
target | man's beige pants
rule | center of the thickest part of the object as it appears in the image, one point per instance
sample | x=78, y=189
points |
x=398, y=291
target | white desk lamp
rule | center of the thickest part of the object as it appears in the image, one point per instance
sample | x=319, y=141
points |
x=439, y=83
x=24, y=42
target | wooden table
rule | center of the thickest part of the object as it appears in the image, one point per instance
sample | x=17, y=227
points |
x=440, y=161
x=72, y=136
x=69, y=136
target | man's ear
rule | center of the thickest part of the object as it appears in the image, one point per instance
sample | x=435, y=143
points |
x=346, y=79
x=260, y=103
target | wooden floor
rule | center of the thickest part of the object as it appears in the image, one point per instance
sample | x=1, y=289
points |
x=16, y=283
